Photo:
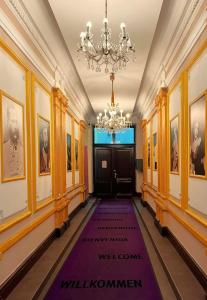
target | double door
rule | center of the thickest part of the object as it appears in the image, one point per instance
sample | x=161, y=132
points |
x=114, y=171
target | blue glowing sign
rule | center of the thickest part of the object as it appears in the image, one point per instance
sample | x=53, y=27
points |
x=125, y=136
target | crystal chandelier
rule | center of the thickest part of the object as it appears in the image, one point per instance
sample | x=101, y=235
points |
x=106, y=53
x=113, y=119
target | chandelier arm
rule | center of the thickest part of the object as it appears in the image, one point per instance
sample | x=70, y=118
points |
x=91, y=42
x=96, y=58
x=116, y=58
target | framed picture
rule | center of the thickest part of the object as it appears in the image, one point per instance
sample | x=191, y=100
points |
x=155, y=151
x=69, y=165
x=76, y=155
x=197, y=128
x=174, y=145
x=12, y=141
x=148, y=153
x=44, y=145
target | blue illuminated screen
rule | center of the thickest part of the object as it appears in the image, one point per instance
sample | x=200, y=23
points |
x=125, y=136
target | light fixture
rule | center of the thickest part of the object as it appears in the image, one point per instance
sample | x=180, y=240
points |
x=105, y=53
x=113, y=119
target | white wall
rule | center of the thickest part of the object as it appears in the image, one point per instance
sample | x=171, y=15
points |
x=197, y=85
x=175, y=112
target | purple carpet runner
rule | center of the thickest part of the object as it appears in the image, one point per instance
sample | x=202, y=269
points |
x=109, y=261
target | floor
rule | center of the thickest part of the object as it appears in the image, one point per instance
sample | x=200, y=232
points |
x=175, y=279
x=183, y=281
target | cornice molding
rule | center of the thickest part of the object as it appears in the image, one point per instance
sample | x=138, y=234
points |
x=193, y=38
x=80, y=103
x=18, y=9
x=10, y=29
x=184, y=38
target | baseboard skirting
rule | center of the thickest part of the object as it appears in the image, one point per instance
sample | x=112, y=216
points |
x=138, y=194
x=67, y=223
x=146, y=204
x=21, y=271
x=77, y=209
x=16, y=277
x=162, y=229
x=191, y=263
x=90, y=195
x=196, y=270
x=60, y=230
x=64, y=226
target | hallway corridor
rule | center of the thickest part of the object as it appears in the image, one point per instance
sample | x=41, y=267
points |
x=103, y=149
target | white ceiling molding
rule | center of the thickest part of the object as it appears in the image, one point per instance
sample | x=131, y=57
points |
x=50, y=64
x=18, y=39
x=184, y=36
x=193, y=37
x=19, y=10
x=182, y=30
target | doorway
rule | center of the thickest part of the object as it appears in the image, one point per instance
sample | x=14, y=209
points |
x=114, y=170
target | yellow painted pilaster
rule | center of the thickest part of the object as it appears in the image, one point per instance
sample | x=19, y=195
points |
x=163, y=141
x=61, y=203
x=73, y=149
x=57, y=140
x=185, y=146
x=161, y=105
x=144, y=129
x=82, y=139
x=159, y=142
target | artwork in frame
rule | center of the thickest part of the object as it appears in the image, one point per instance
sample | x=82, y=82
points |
x=12, y=141
x=69, y=164
x=76, y=155
x=155, y=151
x=148, y=153
x=197, y=136
x=44, y=145
x=174, y=145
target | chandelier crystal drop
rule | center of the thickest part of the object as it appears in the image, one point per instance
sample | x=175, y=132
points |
x=113, y=119
x=106, y=53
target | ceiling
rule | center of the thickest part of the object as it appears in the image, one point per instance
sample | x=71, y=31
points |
x=141, y=23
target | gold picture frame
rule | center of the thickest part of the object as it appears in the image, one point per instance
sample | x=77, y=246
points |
x=76, y=155
x=174, y=145
x=155, y=152
x=197, y=137
x=148, y=154
x=12, y=138
x=69, y=152
x=44, y=146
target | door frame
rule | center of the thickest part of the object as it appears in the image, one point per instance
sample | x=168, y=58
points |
x=119, y=146
x=116, y=146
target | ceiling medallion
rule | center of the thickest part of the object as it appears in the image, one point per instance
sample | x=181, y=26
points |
x=113, y=119
x=105, y=53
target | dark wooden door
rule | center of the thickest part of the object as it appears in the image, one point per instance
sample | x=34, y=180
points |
x=103, y=170
x=123, y=168
x=114, y=170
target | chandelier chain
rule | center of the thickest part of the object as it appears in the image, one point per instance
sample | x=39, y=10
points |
x=113, y=119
